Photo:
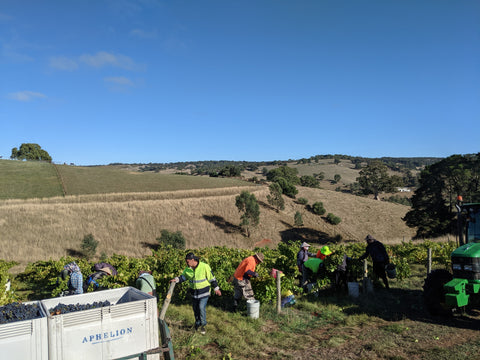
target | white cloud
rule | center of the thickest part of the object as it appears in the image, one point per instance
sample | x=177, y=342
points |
x=26, y=96
x=119, y=80
x=63, y=63
x=103, y=58
x=142, y=34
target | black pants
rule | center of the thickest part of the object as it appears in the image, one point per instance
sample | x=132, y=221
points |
x=379, y=271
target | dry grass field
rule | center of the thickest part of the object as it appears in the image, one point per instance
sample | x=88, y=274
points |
x=129, y=223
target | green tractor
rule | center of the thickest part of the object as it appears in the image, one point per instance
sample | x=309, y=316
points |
x=445, y=292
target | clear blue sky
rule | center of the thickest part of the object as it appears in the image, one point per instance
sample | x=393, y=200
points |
x=138, y=81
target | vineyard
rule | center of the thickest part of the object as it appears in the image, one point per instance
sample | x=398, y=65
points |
x=41, y=279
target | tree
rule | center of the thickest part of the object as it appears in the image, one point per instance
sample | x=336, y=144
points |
x=309, y=181
x=336, y=178
x=374, y=179
x=174, y=239
x=30, y=152
x=297, y=219
x=247, y=203
x=287, y=188
x=433, y=203
x=275, y=197
x=89, y=246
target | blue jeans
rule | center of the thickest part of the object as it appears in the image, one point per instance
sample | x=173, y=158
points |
x=200, y=311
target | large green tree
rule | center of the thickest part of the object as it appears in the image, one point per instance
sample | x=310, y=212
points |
x=433, y=203
x=30, y=152
x=374, y=179
x=285, y=172
x=247, y=204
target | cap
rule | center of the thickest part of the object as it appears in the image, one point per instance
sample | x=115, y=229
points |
x=304, y=244
x=369, y=237
x=190, y=256
x=259, y=256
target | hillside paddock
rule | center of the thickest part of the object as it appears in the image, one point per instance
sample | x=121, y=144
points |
x=129, y=223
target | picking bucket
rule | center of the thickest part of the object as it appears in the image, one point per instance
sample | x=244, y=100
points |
x=353, y=289
x=253, y=308
x=391, y=271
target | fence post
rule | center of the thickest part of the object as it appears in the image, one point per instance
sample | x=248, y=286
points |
x=279, y=293
x=429, y=263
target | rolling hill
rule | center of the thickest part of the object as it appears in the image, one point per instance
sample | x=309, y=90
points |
x=129, y=219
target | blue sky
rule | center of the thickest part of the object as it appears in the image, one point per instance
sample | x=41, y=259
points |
x=137, y=81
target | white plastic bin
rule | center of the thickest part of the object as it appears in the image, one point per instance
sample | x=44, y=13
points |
x=128, y=326
x=25, y=340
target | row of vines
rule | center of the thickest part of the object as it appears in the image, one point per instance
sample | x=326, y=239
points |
x=41, y=279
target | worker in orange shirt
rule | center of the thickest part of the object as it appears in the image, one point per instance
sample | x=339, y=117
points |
x=241, y=278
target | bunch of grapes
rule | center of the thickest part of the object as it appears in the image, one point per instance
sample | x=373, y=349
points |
x=65, y=309
x=18, y=312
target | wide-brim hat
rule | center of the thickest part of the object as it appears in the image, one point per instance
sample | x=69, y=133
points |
x=325, y=250
x=259, y=256
x=304, y=244
x=106, y=270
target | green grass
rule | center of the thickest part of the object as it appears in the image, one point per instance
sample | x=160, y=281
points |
x=384, y=325
x=33, y=179
x=104, y=179
x=28, y=179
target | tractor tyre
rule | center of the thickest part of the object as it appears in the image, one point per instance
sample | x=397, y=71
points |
x=434, y=293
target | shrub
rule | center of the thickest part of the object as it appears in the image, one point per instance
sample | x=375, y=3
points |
x=89, y=246
x=333, y=219
x=302, y=201
x=173, y=239
x=318, y=208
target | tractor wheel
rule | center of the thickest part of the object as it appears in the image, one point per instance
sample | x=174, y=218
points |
x=434, y=293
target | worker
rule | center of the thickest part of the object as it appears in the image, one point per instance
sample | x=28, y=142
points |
x=303, y=255
x=200, y=278
x=379, y=256
x=75, y=282
x=241, y=278
x=312, y=266
x=146, y=283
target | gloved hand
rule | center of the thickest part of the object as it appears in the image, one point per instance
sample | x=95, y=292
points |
x=255, y=274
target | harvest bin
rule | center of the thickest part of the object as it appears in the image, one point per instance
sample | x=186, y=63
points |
x=128, y=326
x=25, y=340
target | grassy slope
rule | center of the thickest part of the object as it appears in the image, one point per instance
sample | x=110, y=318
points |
x=28, y=179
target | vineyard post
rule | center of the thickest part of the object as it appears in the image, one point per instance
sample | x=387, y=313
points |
x=279, y=293
x=168, y=298
x=429, y=263
x=365, y=276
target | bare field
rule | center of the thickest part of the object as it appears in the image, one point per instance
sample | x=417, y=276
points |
x=128, y=224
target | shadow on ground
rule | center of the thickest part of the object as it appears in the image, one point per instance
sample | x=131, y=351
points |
x=309, y=235
x=398, y=304
x=223, y=224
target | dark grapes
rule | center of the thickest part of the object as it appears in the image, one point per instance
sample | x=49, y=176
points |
x=18, y=312
x=65, y=309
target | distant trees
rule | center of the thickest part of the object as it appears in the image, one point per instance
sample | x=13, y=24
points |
x=30, y=152
x=287, y=178
x=309, y=181
x=89, y=246
x=248, y=205
x=298, y=219
x=374, y=179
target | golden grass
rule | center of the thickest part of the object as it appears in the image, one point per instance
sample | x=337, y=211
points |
x=41, y=229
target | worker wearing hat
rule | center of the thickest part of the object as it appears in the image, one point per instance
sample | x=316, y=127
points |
x=241, y=278
x=303, y=255
x=313, y=265
x=379, y=256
